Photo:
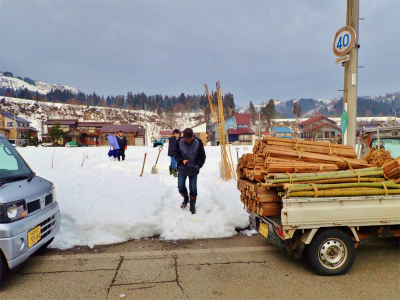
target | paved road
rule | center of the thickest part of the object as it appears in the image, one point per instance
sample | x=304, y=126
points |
x=234, y=268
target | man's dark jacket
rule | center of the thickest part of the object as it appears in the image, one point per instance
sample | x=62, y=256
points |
x=193, y=152
x=171, y=145
x=122, y=142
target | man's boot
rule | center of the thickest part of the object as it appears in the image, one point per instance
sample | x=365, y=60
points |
x=170, y=170
x=193, y=204
x=185, y=200
x=174, y=172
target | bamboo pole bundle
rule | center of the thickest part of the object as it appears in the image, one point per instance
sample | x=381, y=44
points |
x=341, y=162
x=295, y=166
x=343, y=173
x=259, y=199
x=219, y=122
x=309, y=187
x=391, y=169
x=293, y=142
x=344, y=192
x=324, y=176
x=349, y=153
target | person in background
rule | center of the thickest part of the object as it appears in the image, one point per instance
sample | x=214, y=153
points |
x=123, y=145
x=114, y=147
x=190, y=157
x=171, y=149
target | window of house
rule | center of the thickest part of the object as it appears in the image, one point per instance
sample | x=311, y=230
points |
x=91, y=139
x=320, y=135
x=333, y=134
x=231, y=127
x=10, y=124
x=245, y=137
x=327, y=135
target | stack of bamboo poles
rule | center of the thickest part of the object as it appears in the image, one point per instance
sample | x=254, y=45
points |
x=280, y=168
x=219, y=122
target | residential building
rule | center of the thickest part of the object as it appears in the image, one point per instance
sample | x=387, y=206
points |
x=15, y=128
x=238, y=128
x=319, y=128
x=282, y=132
x=135, y=134
x=92, y=133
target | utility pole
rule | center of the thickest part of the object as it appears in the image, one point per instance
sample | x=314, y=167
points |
x=351, y=75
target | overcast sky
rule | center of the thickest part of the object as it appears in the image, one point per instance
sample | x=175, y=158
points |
x=258, y=50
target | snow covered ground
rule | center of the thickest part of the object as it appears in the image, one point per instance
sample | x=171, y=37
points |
x=105, y=202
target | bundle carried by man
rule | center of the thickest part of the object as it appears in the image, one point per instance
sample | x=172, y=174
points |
x=284, y=168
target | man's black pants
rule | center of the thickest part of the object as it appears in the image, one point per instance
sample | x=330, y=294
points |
x=121, y=152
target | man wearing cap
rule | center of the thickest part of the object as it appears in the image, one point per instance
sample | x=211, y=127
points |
x=171, y=149
x=123, y=145
x=190, y=157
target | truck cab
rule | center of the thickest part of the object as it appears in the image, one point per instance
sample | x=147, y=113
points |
x=387, y=138
x=29, y=213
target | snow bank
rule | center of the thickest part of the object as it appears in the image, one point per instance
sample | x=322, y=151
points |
x=105, y=202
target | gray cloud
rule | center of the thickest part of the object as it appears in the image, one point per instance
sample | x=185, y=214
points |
x=257, y=49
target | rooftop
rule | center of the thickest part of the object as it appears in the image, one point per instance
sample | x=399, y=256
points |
x=11, y=116
x=282, y=129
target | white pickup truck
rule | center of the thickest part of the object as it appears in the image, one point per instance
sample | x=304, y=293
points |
x=330, y=229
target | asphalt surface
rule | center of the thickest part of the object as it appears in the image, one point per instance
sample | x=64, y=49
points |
x=233, y=268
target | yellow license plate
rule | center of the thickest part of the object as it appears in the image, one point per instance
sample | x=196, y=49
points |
x=34, y=236
x=263, y=230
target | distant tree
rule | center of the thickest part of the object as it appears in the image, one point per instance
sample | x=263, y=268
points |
x=297, y=111
x=9, y=93
x=56, y=132
x=8, y=74
x=269, y=111
x=252, y=111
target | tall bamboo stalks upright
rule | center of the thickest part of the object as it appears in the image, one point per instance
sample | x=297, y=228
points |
x=219, y=122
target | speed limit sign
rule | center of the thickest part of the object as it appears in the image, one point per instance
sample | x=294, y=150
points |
x=344, y=40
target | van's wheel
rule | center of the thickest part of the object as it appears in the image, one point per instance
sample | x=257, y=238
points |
x=3, y=268
x=331, y=252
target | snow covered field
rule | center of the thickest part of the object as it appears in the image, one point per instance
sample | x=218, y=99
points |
x=105, y=202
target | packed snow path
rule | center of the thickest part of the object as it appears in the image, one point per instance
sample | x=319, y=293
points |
x=105, y=202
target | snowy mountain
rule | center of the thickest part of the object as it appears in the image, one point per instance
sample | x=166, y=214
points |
x=17, y=84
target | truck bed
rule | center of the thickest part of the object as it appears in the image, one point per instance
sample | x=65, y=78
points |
x=308, y=213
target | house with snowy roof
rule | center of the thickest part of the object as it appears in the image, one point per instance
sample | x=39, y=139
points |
x=319, y=128
x=282, y=132
x=200, y=131
x=238, y=128
x=15, y=129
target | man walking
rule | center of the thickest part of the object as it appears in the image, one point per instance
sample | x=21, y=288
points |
x=114, y=147
x=190, y=157
x=123, y=145
x=171, y=149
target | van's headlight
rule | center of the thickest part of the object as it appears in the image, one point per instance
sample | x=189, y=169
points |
x=10, y=212
x=53, y=191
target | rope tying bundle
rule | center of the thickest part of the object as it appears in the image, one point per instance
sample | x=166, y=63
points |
x=294, y=166
x=315, y=190
x=358, y=175
x=385, y=187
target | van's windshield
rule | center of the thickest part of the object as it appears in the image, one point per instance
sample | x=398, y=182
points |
x=12, y=166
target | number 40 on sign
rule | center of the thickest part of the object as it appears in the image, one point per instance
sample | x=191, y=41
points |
x=344, y=41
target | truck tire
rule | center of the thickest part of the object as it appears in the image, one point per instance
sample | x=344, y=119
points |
x=3, y=268
x=331, y=252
